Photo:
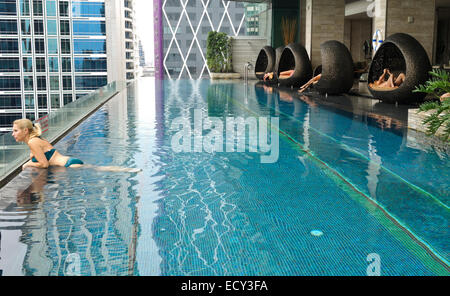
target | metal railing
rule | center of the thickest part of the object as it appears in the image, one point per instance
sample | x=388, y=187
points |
x=247, y=67
x=13, y=155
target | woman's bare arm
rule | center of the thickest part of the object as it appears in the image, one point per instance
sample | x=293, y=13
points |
x=36, y=150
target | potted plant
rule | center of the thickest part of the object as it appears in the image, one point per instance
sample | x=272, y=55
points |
x=437, y=120
x=219, y=56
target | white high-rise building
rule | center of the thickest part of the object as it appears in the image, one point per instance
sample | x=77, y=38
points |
x=55, y=51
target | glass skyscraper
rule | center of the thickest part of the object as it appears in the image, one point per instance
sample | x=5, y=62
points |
x=53, y=52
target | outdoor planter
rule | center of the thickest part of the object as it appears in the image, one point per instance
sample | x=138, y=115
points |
x=400, y=53
x=337, y=69
x=225, y=75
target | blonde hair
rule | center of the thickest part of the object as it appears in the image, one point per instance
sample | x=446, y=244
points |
x=34, y=129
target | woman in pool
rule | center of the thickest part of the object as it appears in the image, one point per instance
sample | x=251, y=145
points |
x=44, y=155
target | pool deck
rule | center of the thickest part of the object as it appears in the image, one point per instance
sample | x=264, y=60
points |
x=360, y=102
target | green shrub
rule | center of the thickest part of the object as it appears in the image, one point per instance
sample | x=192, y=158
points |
x=438, y=85
x=218, y=52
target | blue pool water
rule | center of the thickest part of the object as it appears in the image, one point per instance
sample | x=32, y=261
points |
x=362, y=180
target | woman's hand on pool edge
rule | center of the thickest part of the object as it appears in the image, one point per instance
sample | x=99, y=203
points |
x=26, y=165
x=38, y=165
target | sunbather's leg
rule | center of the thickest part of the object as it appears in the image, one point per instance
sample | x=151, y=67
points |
x=382, y=77
x=399, y=80
x=389, y=83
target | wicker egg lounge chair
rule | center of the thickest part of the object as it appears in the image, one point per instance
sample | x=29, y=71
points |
x=337, y=69
x=265, y=62
x=294, y=58
x=400, y=53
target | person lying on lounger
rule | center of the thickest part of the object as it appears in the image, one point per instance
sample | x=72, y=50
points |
x=283, y=75
x=445, y=96
x=314, y=80
x=390, y=83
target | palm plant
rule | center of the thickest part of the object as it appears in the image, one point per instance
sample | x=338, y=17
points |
x=436, y=86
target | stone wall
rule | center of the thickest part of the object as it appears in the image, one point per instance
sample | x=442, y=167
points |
x=413, y=17
x=246, y=50
x=324, y=21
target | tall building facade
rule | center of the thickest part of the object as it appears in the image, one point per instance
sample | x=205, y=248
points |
x=55, y=51
x=142, y=61
x=186, y=24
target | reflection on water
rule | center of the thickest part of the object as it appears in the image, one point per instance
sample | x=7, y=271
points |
x=226, y=213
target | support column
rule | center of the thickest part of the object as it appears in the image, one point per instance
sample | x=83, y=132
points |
x=324, y=21
x=158, y=36
x=379, y=17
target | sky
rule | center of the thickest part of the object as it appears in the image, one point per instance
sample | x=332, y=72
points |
x=144, y=27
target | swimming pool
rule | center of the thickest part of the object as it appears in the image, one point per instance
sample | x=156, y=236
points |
x=356, y=178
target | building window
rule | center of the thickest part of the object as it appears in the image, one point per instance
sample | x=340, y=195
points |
x=51, y=8
x=52, y=28
x=29, y=101
x=9, y=65
x=128, y=25
x=40, y=64
x=65, y=46
x=38, y=10
x=67, y=98
x=54, y=82
x=9, y=46
x=64, y=27
x=8, y=7
x=67, y=83
x=83, y=28
x=26, y=46
x=88, y=9
x=41, y=83
x=10, y=102
x=63, y=8
x=66, y=64
x=39, y=45
x=9, y=83
x=89, y=46
x=42, y=102
x=38, y=27
x=28, y=83
x=130, y=75
x=52, y=45
x=26, y=26
x=8, y=27
x=90, y=82
x=90, y=64
x=24, y=7
x=6, y=119
x=55, y=101
x=27, y=64
x=53, y=64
